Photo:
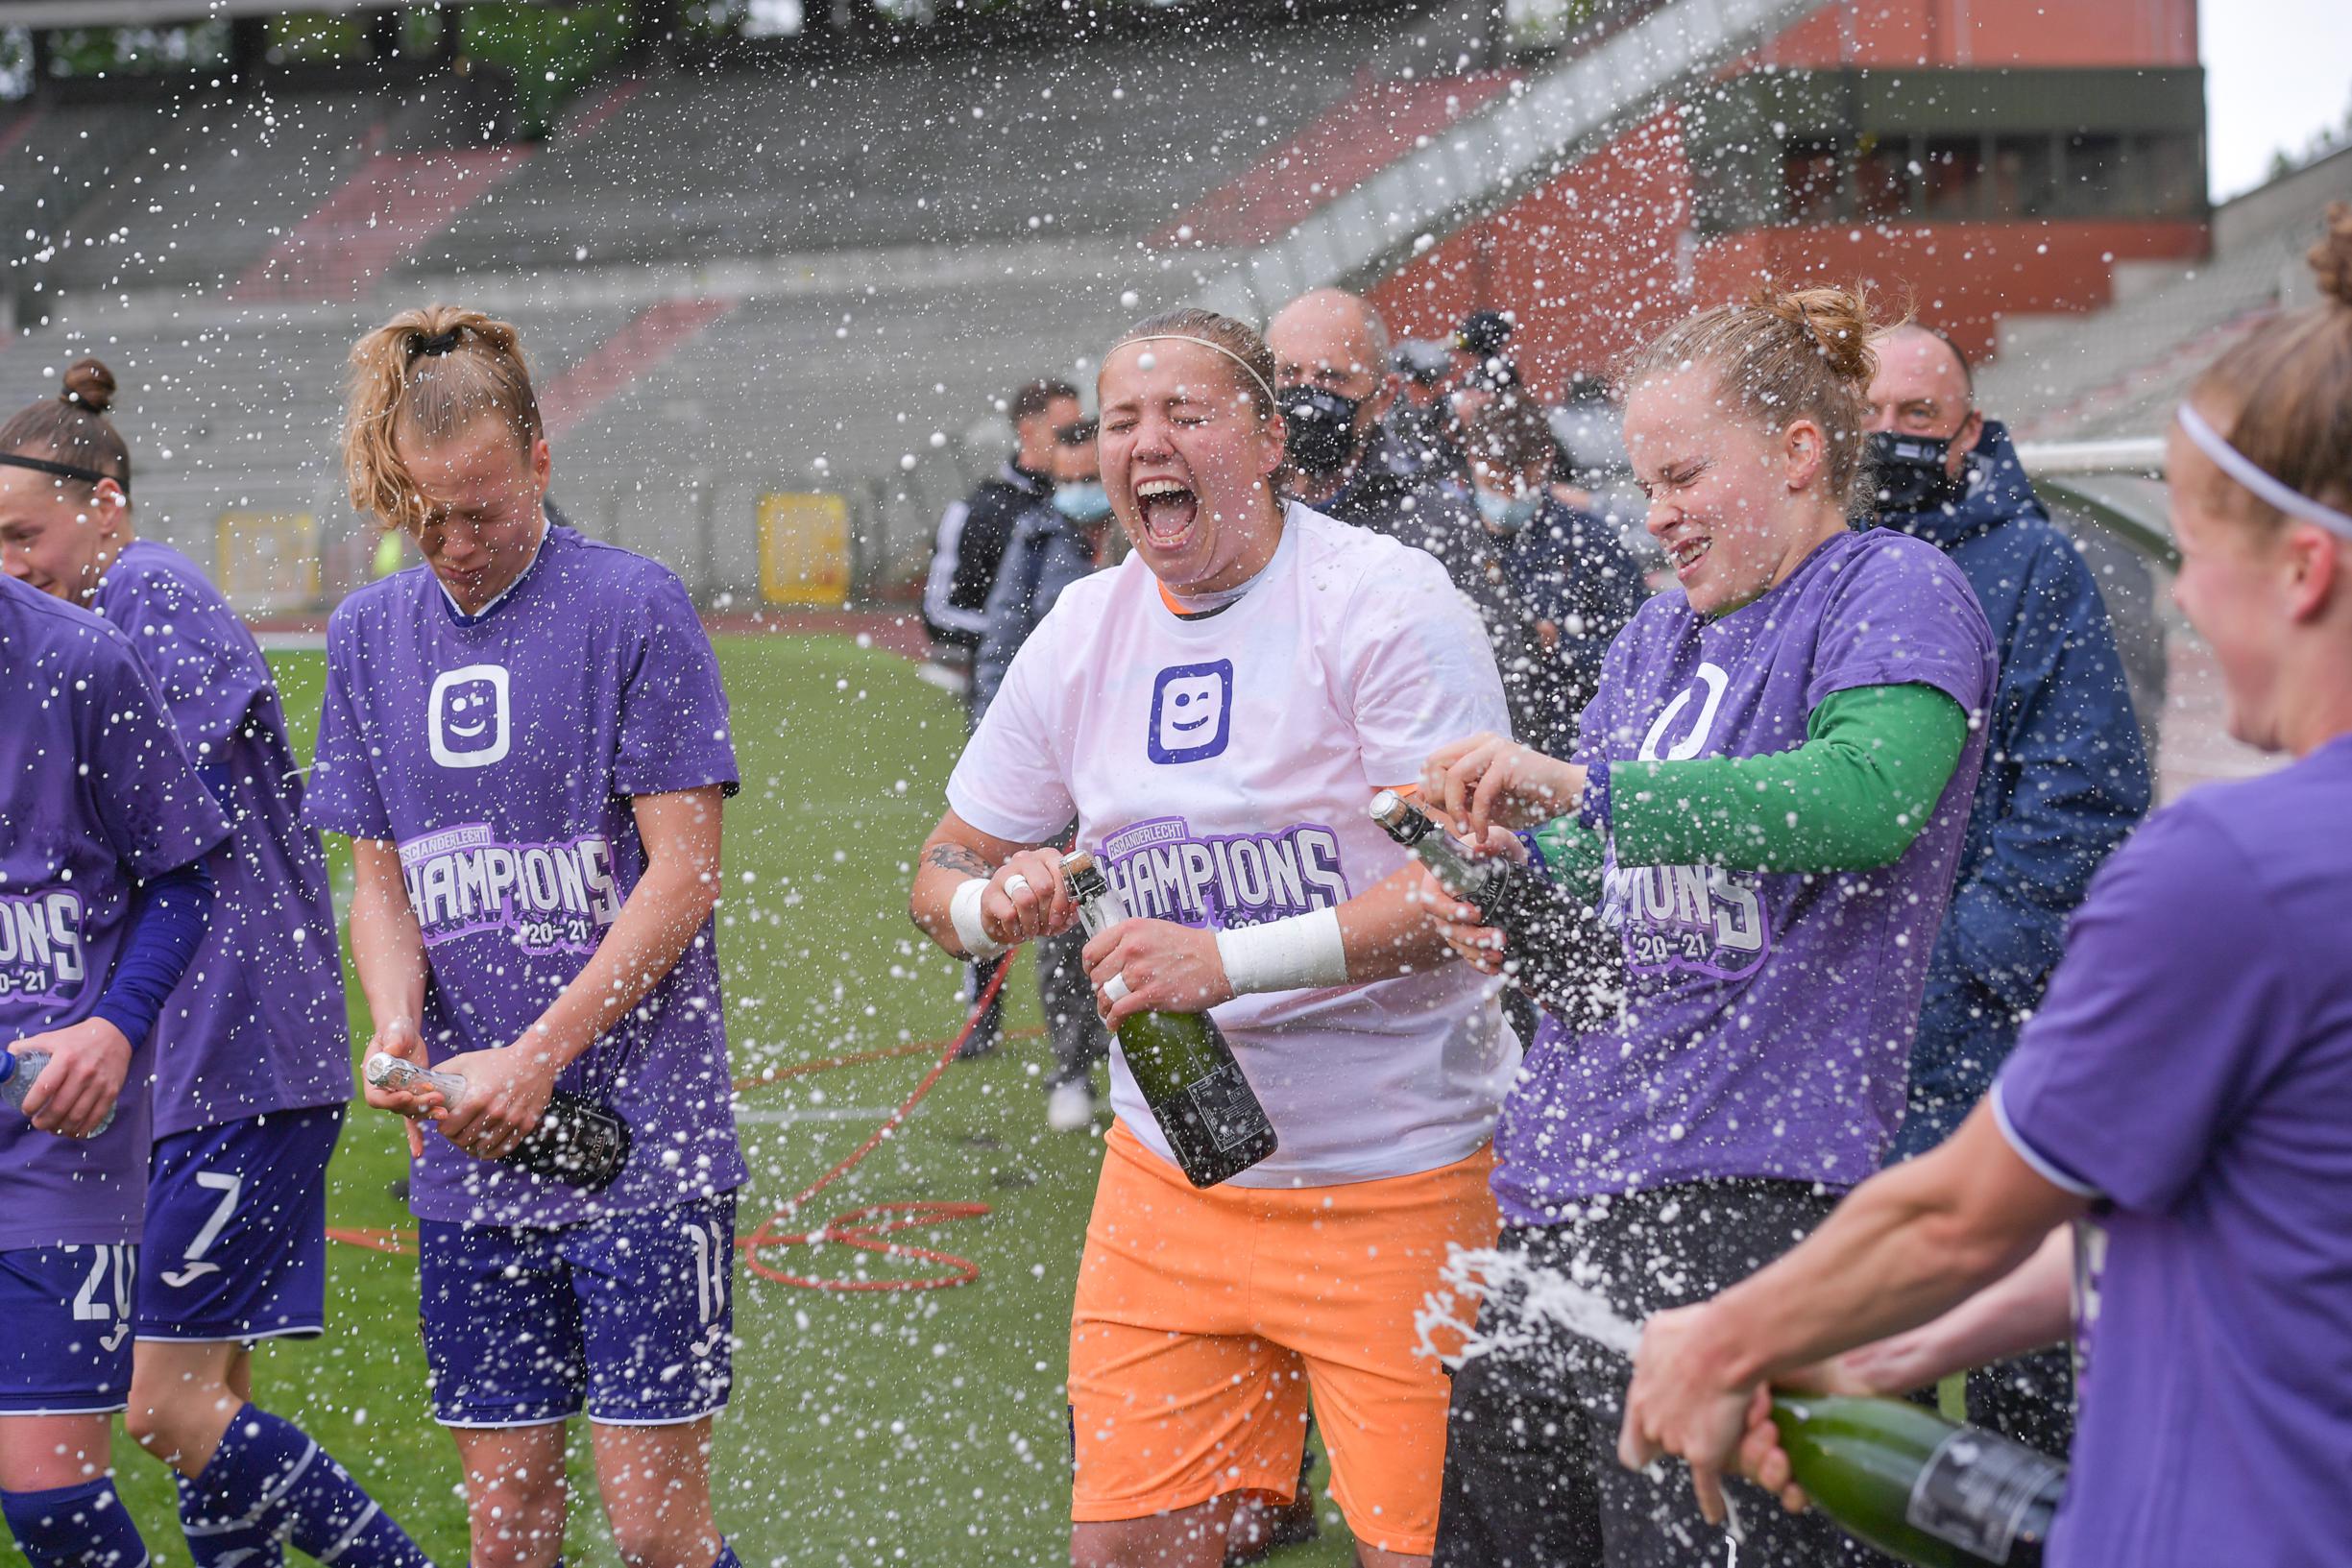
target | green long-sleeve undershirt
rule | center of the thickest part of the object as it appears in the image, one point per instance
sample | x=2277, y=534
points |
x=1853, y=796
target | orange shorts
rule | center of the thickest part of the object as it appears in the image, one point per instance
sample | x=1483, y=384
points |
x=1205, y=1319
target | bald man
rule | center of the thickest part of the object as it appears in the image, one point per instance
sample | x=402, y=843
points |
x=1336, y=385
x=2065, y=780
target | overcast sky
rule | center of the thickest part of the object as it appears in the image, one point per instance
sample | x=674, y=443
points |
x=2277, y=72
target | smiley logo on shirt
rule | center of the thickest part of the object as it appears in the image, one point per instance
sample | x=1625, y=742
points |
x=466, y=717
x=1192, y=712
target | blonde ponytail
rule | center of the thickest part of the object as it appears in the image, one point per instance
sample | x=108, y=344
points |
x=424, y=376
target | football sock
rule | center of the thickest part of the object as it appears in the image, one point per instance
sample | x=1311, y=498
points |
x=269, y=1475
x=81, y=1526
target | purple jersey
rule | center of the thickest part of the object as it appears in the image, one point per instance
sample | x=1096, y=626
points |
x=501, y=751
x=258, y=1023
x=95, y=791
x=1768, y=1017
x=2190, y=1068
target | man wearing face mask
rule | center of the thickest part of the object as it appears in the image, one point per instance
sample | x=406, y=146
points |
x=1056, y=541
x=2065, y=779
x=1418, y=424
x=1555, y=584
x=974, y=533
x=1335, y=387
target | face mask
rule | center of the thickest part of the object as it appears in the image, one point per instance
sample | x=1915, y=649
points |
x=1908, y=471
x=1508, y=514
x=1084, y=502
x=1323, y=428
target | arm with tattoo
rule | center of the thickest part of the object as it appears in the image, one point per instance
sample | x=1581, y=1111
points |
x=957, y=859
x=956, y=853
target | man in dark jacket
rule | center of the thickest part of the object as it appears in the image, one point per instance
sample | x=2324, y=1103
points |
x=2066, y=778
x=973, y=536
x=1059, y=540
x=2066, y=774
x=1554, y=585
x=973, y=533
x=1335, y=384
x=1418, y=424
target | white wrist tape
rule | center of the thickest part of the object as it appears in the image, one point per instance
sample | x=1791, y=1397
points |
x=1294, y=954
x=963, y=913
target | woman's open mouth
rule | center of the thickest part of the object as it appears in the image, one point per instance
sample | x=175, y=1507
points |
x=1688, y=553
x=1168, y=510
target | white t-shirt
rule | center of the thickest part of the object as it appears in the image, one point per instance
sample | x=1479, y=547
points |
x=1219, y=768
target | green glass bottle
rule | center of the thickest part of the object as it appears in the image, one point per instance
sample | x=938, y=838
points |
x=1485, y=883
x=1918, y=1487
x=1205, y=1108
x=1553, y=951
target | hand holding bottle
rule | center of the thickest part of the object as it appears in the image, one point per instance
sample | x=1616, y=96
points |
x=1763, y=1460
x=1679, y=1403
x=1490, y=780
x=75, y=1094
x=1162, y=967
x=399, y=1038
x=1198, y=1096
x=507, y=1090
x=1464, y=925
x=1025, y=900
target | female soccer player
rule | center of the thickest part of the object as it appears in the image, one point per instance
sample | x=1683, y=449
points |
x=252, y=1068
x=527, y=742
x=103, y=894
x=1216, y=712
x=1768, y=796
x=2185, y=1093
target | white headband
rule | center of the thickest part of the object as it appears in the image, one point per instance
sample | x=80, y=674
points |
x=1178, y=337
x=2265, y=485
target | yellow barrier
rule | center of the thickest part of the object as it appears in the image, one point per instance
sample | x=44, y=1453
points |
x=804, y=550
x=269, y=560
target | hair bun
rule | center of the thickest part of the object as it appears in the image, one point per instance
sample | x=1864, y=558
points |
x=1838, y=322
x=2331, y=259
x=88, y=385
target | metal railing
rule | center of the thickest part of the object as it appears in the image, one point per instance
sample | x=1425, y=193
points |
x=2113, y=482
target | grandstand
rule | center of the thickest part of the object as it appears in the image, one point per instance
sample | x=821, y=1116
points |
x=734, y=277
x=813, y=269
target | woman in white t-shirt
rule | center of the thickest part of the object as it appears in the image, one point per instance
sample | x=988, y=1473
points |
x=1216, y=712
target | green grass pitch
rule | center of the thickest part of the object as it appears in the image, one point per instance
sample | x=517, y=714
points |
x=907, y=1427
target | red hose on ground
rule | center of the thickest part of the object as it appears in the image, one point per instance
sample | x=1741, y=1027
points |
x=855, y=1228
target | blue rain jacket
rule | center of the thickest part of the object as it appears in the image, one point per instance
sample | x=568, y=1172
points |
x=2066, y=780
x=1048, y=552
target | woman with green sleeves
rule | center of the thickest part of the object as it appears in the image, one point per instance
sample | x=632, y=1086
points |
x=1765, y=807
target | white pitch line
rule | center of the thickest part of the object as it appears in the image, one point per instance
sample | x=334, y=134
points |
x=762, y=1116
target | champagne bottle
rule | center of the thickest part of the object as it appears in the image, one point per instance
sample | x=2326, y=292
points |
x=1544, y=954
x=1497, y=887
x=578, y=1141
x=1204, y=1106
x=18, y=1070
x=1918, y=1487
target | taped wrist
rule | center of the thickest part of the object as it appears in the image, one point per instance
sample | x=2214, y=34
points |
x=963, y=913
x=1298, y=952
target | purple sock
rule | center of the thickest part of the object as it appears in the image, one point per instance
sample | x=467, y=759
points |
x=726, y=1558
x=221, y=1543
x=81, y=1526
x=269, y=1476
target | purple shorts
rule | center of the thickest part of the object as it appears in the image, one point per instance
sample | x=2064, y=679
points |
x=629, y=1316
x=236, y=1243
x=67, y=1350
